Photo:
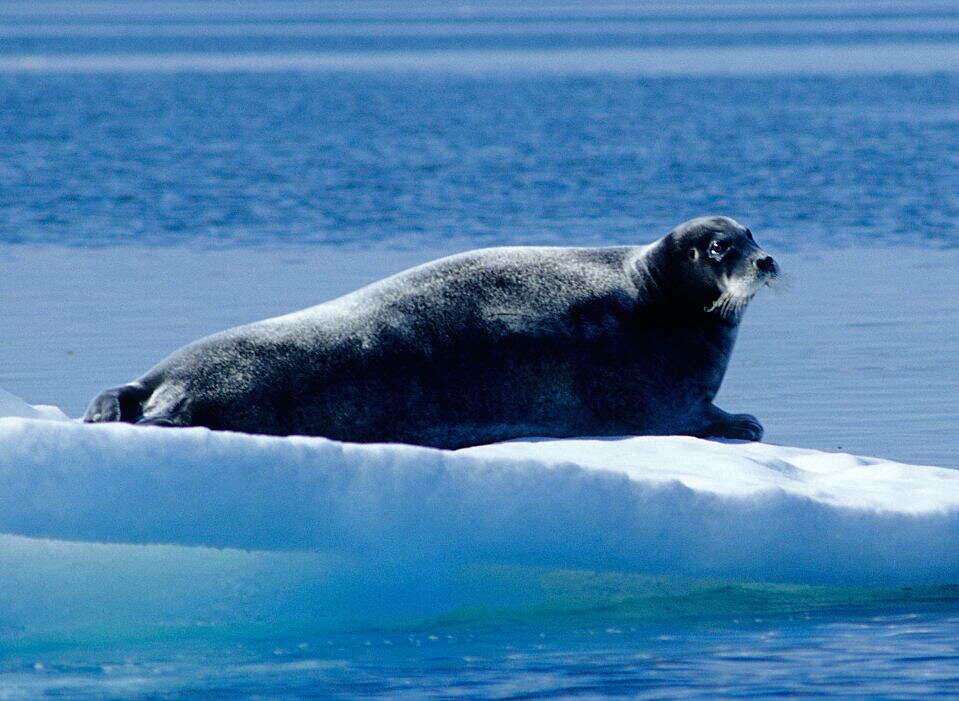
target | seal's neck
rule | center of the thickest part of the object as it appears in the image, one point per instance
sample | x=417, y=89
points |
x=651, y=279
x=662, y=284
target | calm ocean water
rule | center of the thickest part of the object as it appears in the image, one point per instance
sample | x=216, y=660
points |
x=340, y=159
x=541, y=128
x=429, y=127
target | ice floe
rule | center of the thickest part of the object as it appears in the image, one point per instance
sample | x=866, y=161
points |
x=673, y=505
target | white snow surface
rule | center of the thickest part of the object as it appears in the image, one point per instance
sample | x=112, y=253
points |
x=11, y=405
x=672, y=505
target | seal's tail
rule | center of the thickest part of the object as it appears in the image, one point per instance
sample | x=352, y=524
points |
x=123, y=403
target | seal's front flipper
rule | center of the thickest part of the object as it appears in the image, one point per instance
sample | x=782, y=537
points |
x=744, y=427
x=121, y=403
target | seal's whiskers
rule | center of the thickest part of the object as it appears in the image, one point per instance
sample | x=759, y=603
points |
x=729, y=305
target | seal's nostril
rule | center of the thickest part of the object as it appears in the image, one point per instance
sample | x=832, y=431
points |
x=766, y=264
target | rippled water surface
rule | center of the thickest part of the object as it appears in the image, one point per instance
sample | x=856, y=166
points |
x=492, y=130
x=238, y=159
x=846, y=653
x=376, y=136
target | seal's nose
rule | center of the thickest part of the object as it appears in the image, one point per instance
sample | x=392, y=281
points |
x=766, y=264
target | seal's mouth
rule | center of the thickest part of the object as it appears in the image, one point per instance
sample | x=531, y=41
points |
x=737, y=291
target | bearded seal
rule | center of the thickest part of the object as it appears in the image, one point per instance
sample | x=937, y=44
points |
x=481, y=347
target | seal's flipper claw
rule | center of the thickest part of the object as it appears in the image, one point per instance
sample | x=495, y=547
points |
x=744, y=427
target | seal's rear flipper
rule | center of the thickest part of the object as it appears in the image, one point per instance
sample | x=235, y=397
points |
x=169, y=405
x=122, y=403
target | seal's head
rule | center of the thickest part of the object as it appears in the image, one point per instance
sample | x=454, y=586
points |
x=718, y=259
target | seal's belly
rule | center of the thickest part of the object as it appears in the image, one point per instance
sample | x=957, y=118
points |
x=492, y=391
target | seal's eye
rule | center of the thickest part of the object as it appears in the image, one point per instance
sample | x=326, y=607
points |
x=718, y=248
x=749, y=235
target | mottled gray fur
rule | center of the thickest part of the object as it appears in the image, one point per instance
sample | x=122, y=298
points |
x=481, y=347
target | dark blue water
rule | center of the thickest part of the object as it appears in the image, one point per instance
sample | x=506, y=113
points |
x=239, y=159
x=423, y=158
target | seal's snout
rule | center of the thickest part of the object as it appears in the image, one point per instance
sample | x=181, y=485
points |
x=767, y=265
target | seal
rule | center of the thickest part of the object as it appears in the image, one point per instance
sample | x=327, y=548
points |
x=481, y=347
